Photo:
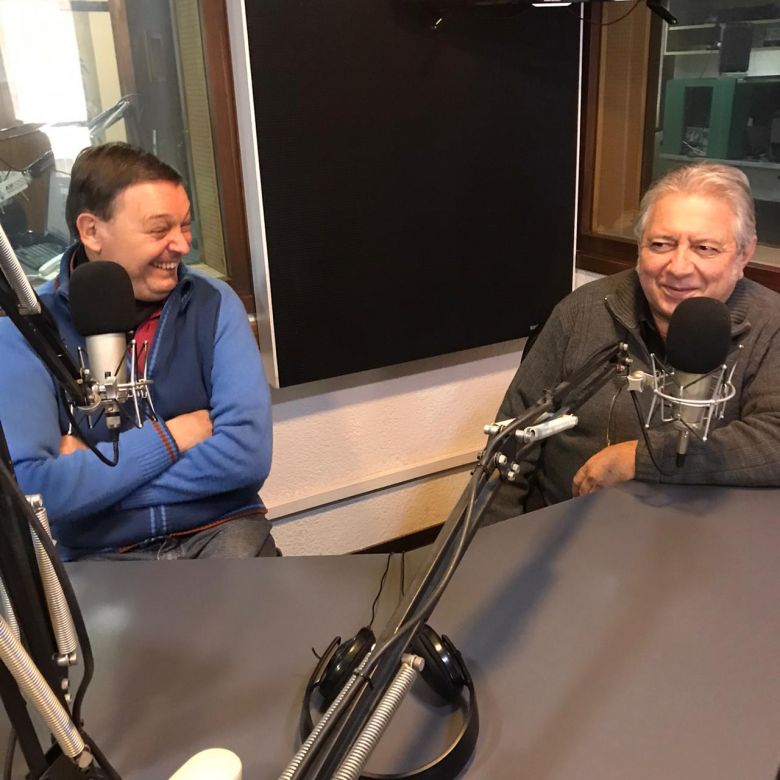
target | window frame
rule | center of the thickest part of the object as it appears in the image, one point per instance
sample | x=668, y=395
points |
x=605, y=254
x=596, y=253
x=227, y=154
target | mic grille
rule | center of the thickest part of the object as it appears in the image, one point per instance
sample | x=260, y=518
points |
x=101, y=298
x=699, y=335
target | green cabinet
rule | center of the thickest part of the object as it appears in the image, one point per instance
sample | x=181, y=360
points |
x=707, y=117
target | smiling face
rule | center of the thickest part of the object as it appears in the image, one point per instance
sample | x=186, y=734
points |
x=688, y=250
x=148, y=234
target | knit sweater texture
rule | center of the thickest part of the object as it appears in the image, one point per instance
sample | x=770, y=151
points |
x=742, y=449
x=203, y=356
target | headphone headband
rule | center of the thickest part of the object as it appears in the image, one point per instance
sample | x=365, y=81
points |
x=449, y=763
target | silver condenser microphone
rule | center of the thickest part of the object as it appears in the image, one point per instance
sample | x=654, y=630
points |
x=693, y=386
x=103, y=309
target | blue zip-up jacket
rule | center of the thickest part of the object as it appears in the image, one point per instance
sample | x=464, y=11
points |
x=203, y=356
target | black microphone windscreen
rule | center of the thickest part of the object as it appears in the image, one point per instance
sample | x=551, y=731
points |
x=699, y=335
x=101, y=298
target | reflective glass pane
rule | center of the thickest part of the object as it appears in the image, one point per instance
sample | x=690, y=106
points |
x=719, y=99
x=94, y=72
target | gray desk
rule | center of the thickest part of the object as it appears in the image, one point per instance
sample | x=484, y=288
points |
x=633, y=634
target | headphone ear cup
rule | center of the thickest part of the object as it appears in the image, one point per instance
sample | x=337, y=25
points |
x=344, y=662
x=442, y=671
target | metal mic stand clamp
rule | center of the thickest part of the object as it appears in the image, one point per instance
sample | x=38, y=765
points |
x=109, y=392
x=686, y=394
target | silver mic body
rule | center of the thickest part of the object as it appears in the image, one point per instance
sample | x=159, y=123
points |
x=108, y=368
x=106, y=354
x=687, y=401
x=693, y=387
x=690, y=387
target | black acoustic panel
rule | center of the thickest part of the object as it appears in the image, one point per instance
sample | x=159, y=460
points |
x=418, y=185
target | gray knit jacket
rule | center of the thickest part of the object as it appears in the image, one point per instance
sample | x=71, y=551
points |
x=742, y=449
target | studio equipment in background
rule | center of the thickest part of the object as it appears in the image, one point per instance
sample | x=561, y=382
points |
x=694, y=384
x=736, y=43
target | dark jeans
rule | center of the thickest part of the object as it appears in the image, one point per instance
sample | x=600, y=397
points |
x=244, y=537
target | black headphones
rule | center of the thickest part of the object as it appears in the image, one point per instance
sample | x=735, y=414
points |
x=445, y=672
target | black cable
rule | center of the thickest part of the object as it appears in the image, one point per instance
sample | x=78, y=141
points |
x=647, y=438
x=88, y=662
x=100, y=757
x=481, y=474
x=381, y=588
x=614, y=21
x=402, y=634
x=77, y=428
x=9, y=755
x=403, y=573
x=611, y=414
x=13, y=491
x=404, y=631
x=551, y=401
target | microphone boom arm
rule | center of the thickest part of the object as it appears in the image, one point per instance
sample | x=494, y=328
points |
x=334, y=741
x=21, y=305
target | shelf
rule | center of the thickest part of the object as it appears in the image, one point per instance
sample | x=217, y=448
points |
x=697, y=52
x=680, y=27
x=759, y=164
x=705, y=38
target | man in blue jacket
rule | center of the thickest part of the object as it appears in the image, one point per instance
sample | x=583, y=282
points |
x=186, y=484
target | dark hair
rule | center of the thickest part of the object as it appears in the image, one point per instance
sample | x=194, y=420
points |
x=100, y=173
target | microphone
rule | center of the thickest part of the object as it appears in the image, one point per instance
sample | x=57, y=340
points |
x=697, y=345
x=693, y=386
x=103, y=310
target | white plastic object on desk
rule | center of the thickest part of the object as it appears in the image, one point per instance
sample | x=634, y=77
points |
x=212, y=764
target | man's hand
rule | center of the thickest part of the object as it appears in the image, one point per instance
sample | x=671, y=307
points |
x=70, y=444
x=607, y=467
x=190, y=429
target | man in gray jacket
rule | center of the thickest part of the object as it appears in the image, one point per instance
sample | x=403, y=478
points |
x=696, y=232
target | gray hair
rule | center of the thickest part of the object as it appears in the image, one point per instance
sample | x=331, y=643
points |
x=705, y=178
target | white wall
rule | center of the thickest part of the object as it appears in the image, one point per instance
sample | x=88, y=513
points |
x=378, y=455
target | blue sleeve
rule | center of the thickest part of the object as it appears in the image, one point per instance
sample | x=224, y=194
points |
x=238, y=453
x=76, y=485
